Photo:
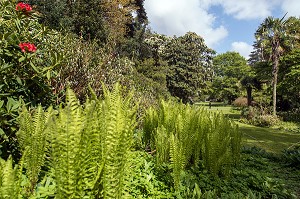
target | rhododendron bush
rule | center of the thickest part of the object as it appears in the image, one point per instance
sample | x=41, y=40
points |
x=28, y=60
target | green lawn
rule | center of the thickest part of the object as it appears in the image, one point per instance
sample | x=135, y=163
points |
x=272, y=140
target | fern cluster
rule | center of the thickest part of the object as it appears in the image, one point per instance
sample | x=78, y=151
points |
x=184, y=134
x=83, y=147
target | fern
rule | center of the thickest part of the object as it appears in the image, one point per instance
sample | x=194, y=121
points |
x=32, y=137
x=178, y=159
x=177, y=130
x=119, y=124
x=162, y=143
x=10, y=179
x=90, y=145
x=66, y=132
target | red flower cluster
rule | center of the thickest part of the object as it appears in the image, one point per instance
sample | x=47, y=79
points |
x=24, y=7
x=27, y=47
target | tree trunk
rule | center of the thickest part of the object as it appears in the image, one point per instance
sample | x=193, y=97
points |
x=275, y=72
x=275, y=59
x=249, y=95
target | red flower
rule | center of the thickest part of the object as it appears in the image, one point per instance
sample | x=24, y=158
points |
x=27, y=47
x=24, y=7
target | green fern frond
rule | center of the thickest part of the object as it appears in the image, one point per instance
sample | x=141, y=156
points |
x=177, y=158
x=8, y=180
x=162, y=143
x=66, y=133
x=201, y=134
x=120, y=122
x=32, y=137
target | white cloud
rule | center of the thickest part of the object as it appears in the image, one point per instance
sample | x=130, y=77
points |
x=243, y=48
x=248, y=9
x=292, y=7
x=176, y=17
x=244, y=9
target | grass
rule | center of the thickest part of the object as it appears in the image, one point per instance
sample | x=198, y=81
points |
x=263, y=164
x=273, y=140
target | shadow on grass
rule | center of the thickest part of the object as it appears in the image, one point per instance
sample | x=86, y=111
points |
x=213, y=104
x=272, y=140
x=234, y=116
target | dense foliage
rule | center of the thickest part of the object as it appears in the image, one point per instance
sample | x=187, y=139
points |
x=276, y=39
x=190, y=63
x=230, y=69
x=185, y=135
x=28, y=58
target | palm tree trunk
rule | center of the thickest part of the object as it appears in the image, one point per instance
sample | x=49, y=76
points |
x=275, y=71
x=275, y=59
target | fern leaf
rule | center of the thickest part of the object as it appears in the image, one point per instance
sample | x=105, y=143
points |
x=67, y=131
x=177, y=159
x=8, y=180
x=120, y=122
x=32, y=137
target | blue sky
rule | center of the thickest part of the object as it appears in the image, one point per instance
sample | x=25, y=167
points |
x=226, y=25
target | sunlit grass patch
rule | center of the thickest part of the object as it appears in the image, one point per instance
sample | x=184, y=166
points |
x=274, y=139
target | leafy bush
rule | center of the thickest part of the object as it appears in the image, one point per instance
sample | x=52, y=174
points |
x=142, y=180
x=258, y=116
x=290, y=116
x=28, y=60
x=264, y=120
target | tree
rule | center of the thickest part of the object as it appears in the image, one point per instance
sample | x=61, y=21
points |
x=273, y=33
x=106, y=20
x=229, y=69
x=289, y=86
x=250, y=81
x=190, y=62
x=157, y=44
x=56, y=14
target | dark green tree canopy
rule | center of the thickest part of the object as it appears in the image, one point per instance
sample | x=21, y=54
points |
x=92, y=18
x=229, y=69
x=190, y=62
x=230, y=64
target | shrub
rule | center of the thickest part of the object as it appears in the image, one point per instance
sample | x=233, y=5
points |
x=258, y=116
x=28, y=60
x=292, y=156
x=264, y=120
x=291, y=116
x=240, y=102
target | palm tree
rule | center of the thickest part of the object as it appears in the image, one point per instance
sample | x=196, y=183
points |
x=273, y=32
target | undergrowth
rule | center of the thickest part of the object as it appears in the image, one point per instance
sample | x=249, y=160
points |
x=94, y=150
